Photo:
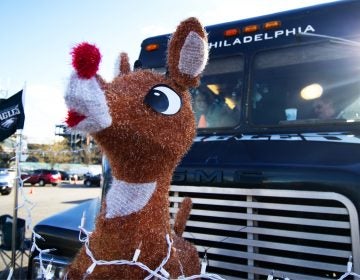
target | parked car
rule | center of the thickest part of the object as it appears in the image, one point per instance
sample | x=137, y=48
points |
x=42, y=177
x=5, y=182
x=92, y=180
x=64, y=175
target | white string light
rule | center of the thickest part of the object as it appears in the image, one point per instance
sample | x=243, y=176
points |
x=161, y=276
x=349, y=271
x=346, y=274
x=46, y=272
x=159, y=272
x=28, y=206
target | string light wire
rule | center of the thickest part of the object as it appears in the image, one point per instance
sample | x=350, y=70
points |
x=159, y=272
x=28, y=205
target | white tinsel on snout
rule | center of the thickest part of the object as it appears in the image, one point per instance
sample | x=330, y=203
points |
x=87, y=98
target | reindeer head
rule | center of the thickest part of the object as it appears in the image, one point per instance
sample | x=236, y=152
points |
x=142, y=120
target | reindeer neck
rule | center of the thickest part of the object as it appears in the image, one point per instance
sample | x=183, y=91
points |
x=125, y=198
x=142, y=168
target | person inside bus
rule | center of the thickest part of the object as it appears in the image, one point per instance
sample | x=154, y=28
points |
x=324, y=108
x=204, y=110
x=210, y=112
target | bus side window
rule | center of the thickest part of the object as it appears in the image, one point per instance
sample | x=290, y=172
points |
x=221, y=85
x=214, y=111
x=204, y=106
x=216, y=102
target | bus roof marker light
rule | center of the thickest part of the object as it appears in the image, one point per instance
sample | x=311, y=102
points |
x=231, y=32
x=311, y=91
x=151, y=47
x=272, y=24
x=251, y=28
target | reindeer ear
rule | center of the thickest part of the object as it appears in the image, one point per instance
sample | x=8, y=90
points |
x=187, y=53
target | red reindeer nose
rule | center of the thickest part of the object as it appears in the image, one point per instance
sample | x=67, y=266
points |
x=86, y=59
x=73, y=118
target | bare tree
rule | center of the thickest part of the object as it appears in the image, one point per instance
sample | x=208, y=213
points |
x=57, y=153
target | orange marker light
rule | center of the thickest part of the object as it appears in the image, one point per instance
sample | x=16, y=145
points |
x=231, y=32
x=272, y=24
x=251, y=28
x=152, y=47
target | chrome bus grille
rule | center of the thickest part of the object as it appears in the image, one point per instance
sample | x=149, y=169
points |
x=251, y=233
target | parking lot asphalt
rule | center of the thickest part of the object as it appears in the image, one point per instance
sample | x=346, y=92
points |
x=47, y=200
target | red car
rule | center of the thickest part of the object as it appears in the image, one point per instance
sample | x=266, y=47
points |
x=42, y=177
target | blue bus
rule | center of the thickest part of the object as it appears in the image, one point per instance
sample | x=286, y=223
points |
x=278, y=112
x=274, y=171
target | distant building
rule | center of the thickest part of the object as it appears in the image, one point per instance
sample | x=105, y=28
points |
x=75, y=138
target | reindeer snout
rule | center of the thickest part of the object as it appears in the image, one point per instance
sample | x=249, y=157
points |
x=88, y=110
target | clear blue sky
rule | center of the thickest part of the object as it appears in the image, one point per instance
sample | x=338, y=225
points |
x=36, y=37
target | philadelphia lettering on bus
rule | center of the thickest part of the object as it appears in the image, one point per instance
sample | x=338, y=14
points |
x=261, y=37
x=10, y=112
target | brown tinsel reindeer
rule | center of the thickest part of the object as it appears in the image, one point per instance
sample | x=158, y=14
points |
x=144, y=123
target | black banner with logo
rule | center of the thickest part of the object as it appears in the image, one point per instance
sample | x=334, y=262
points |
x=12, y=116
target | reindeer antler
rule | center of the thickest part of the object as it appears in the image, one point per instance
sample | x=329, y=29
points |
x=124, y=66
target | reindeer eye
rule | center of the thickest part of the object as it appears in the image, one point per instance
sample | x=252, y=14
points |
x=163, y=99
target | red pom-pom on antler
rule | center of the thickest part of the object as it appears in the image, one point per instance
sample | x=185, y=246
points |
x=86, y=59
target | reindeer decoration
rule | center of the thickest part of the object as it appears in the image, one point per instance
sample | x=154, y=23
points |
x=144, y=123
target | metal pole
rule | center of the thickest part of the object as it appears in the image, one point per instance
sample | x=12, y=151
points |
x=17, y=184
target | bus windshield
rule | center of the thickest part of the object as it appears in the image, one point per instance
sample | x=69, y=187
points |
x=295, y=71
x=314, y=83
